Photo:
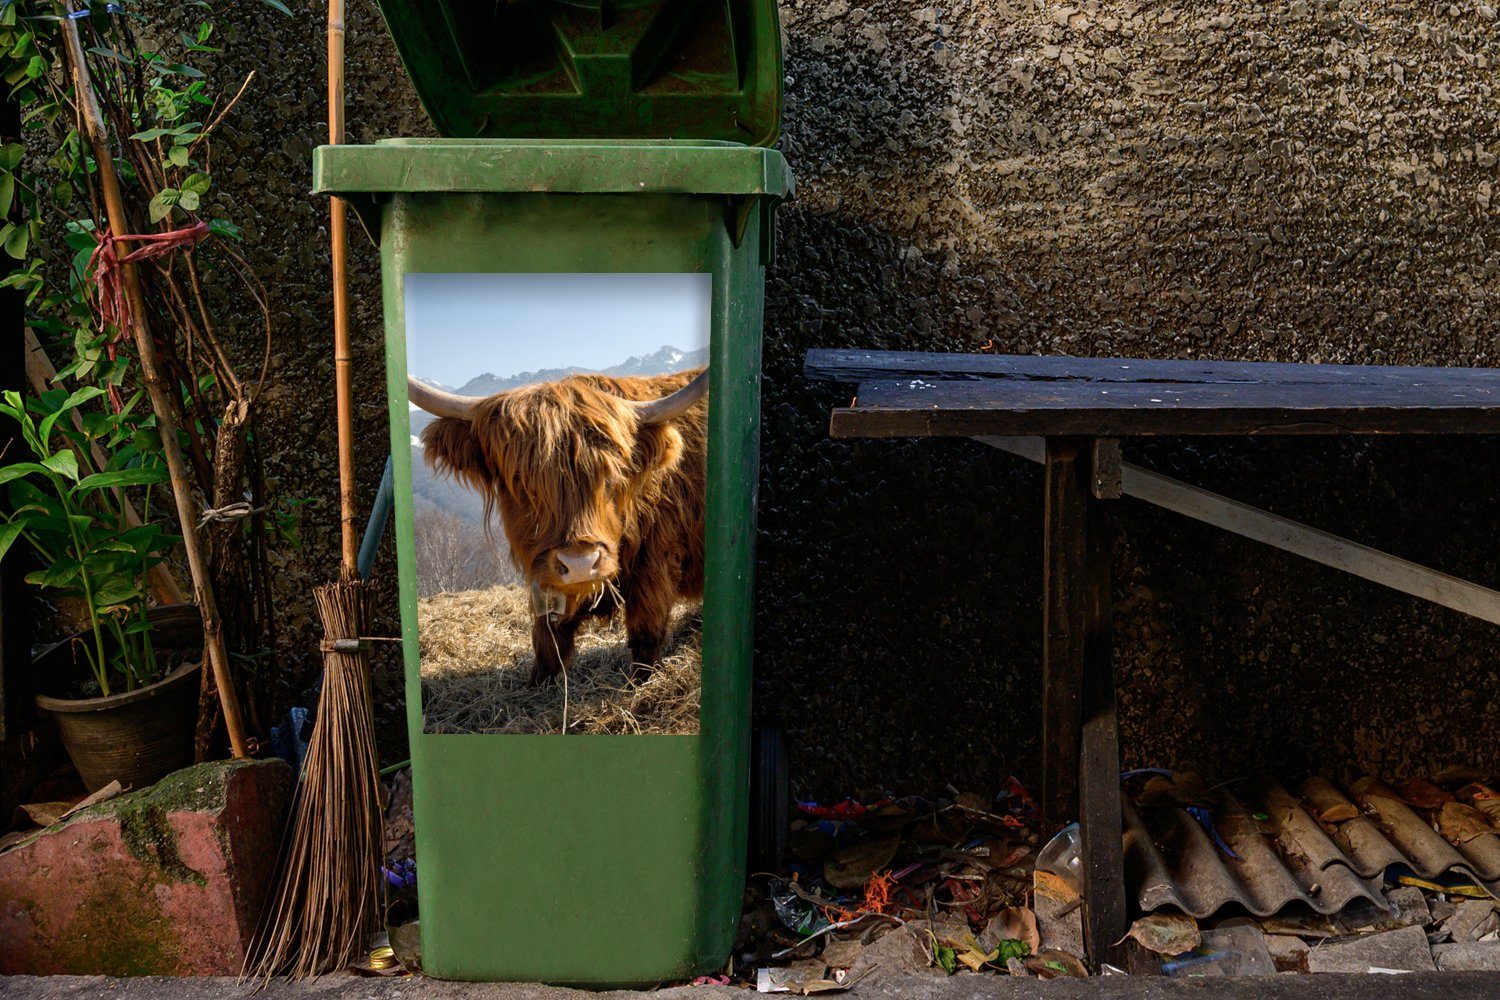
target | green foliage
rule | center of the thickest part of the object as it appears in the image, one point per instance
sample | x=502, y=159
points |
x=1009, y=948
x=162, y=107
x=168, y=105
x=75, y=518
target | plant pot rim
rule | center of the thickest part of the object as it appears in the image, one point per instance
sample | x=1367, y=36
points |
x=52, y=704
x=156, y=611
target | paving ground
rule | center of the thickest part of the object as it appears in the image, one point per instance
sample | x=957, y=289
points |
x=1417, y=986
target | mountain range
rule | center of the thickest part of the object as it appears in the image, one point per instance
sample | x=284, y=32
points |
x=661, y=362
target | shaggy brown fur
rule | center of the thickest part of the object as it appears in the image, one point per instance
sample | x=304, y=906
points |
x=567, y=463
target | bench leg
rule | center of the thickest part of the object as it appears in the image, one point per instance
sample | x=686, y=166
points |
x=1080, y=734
x=1100, y=826
x=1064, y=587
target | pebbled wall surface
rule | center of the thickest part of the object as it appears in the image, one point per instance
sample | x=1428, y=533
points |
x=1301, y=181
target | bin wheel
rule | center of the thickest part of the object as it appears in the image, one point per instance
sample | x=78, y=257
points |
x=770, y=793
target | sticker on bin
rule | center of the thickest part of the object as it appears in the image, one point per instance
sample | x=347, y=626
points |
x=559, y=435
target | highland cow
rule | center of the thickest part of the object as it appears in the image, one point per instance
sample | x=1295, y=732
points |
x=599, y=484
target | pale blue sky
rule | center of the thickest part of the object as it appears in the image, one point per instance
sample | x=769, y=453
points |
x=462, y=325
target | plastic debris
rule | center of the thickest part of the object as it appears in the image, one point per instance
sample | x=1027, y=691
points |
x=400, y=874
x=899, y=885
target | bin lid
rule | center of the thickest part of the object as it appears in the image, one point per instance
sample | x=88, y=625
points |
x=580, y=69
x=628, y=166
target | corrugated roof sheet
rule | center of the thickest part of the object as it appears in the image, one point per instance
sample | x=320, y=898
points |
x=1323, y=848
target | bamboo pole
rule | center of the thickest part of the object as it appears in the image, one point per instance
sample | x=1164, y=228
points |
x=161, y=402
x=327, y=901
x=343, y=360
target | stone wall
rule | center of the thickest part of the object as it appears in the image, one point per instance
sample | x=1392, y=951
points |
x=1300, y=181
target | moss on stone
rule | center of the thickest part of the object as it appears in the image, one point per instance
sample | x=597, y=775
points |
x=202, y=787
x=143, y=815
x=122, y=925
x=149, y=837
x=117, y=929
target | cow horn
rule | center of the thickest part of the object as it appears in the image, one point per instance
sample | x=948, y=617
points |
x=440, y=403
x=657, y=411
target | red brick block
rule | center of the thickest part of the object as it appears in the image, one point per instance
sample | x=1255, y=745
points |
x=167, y=881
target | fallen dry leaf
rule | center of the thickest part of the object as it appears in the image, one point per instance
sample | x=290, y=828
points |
x=104, y=794
x=1157, y=791
x=1166, y=933
x=851, y=867
x=1460, y=824
x=1371, y=787
x=1484, y=798
x=1458, y=774
x=1338, y=812
x=1053, y=964
x=1016, y=923
x=1423, y=794
x=45, y=813
x=1326, y=802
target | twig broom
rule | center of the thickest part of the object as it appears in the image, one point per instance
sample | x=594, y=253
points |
x=327, y=899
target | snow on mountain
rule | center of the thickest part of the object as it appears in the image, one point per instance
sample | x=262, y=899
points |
x=661, y=362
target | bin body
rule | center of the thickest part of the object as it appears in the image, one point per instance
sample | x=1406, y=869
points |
x=583, y=859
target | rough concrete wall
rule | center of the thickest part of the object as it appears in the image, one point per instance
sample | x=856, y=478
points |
x=1283, y=181
x=1308, y=181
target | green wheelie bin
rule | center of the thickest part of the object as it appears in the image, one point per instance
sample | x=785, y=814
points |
x=592, y=147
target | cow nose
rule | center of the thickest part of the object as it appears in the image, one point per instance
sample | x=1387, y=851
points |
x=573, y=567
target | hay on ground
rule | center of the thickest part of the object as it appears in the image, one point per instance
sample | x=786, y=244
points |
x=476, y=658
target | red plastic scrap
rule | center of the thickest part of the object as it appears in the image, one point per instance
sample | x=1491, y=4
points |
x=106, y=262
x=845, y=810
x=1019, y=803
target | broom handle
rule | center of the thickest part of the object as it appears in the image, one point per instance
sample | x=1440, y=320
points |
x=343, y=361
x=114, y=205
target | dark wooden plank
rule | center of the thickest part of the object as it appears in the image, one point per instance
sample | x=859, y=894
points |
x=925, y=408
x=1283, y=533
x=1064, y=588
x=867, y=366
x=1100, y=827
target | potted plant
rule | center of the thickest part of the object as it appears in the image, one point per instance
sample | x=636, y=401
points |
x=124, y=689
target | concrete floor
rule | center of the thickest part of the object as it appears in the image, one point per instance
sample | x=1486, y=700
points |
x=1417, y=986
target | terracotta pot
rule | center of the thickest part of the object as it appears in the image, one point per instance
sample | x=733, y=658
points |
x=137, y=737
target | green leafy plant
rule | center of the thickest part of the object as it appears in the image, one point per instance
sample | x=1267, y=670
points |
x=156, y=79
x=76, y=520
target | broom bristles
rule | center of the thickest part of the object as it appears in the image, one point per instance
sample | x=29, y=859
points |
x=327, y=896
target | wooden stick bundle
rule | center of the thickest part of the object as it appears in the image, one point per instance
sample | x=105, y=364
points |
x=156, y=387
x=327, y=900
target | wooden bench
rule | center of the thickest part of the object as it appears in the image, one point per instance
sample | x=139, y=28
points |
x=1069, y=414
